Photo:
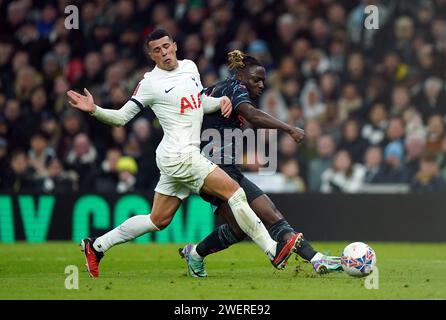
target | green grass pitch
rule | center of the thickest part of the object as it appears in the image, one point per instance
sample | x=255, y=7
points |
x=155, y=271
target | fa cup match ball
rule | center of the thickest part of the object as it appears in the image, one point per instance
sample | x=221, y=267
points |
x=358, y=259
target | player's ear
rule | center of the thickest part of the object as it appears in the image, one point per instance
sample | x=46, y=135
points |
x=149, y=53
x=175, y=46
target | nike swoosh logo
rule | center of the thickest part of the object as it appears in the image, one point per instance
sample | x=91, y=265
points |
x=167, y=91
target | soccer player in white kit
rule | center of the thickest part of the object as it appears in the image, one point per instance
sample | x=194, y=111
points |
x=174, y=92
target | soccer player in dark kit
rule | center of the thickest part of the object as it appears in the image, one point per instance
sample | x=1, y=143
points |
x=244, y=86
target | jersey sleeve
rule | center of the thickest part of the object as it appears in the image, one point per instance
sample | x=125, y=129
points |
x=143, y=94
x=238, y=95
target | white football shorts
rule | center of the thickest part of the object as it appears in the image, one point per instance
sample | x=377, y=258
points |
x=183, y=175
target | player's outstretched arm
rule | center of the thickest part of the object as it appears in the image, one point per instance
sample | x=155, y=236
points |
x=112, y=117
x=81, y=102
x=211, y=104
x=263, y=120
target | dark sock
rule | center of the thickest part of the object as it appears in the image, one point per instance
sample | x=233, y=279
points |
x=278, y=230
x=218, y=240
x=305, y=250
x=97, y=253
x=281, y=228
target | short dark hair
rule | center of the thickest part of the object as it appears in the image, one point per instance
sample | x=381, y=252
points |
x=157, y=34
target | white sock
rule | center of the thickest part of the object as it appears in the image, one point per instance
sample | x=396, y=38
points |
x=195, y=254
x=317, y=256
x=251, y=224
x=127, y=231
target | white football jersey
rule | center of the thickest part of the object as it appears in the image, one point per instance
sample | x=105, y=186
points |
x=174, y=97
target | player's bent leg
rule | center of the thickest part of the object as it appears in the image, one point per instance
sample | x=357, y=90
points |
x=220, y=184
x=163, y=210
x=164, y=207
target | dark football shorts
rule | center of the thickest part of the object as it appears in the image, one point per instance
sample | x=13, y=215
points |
x=251, y=190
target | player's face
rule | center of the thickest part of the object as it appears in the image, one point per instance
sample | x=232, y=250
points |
x=163, y=52
x=254, y=80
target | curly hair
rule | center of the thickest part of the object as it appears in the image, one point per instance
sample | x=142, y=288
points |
x=237, y=60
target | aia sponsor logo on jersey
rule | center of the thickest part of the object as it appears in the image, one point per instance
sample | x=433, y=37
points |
x=190, y=103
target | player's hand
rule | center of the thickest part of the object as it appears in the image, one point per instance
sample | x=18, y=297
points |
x=84, y=103
x=225, y=106
x=297, y=134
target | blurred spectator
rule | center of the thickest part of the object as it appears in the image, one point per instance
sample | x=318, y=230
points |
x=329, y=86
x=16, y=134
x=57, y=179
x=350, y=102
x=315, y=64
x=61, y=86
x=374, y=130
x=51, y=128
x=431, y=100
x=27, y=79
x=395, y=131
x=308, y=148
x=20, y=175
x=39, y=104
x=127, y=169
x=311, y=101
x=147, y=175
x=325, y=149
x=40, y=154
x=404, y=31
x=393, y=169
x=114, y=78
x=72, y=123
x=82, y=158
x=435, y=134
x=344, y=176
x=415, y=146
x=352, y=141
x=400, y=100
x=356, y=71
x=331, y=122
x=119, y=137
x=92, y=75
x=107, y=177
x=272, y=102
x=372, y=162
x=286, y=30
x=293, y=182
x=428, y=178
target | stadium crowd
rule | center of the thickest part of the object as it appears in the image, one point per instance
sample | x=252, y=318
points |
x=372, y=102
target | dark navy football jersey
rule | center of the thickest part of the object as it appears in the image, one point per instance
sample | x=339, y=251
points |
x=223, y=151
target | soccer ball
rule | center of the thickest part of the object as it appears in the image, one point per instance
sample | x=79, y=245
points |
x=358, y=259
